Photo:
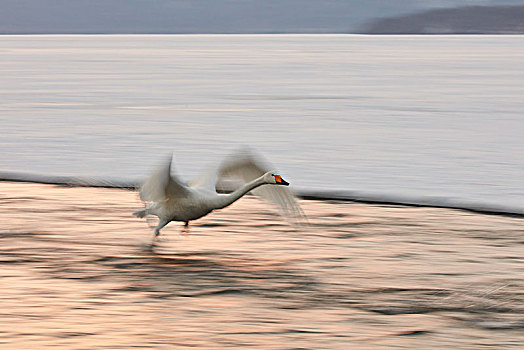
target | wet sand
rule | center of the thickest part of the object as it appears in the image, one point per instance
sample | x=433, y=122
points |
x=78, y=272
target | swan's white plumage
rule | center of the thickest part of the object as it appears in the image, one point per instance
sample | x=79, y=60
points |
x=162, y=185
x=172, y=200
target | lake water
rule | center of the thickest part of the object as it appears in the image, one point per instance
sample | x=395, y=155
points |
x=434, y=118
x=77, y=271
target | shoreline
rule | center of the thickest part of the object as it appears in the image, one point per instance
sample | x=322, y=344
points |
x=342, y=195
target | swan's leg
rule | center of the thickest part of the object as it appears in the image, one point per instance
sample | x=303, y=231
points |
x=186, y=224
x=161, y=223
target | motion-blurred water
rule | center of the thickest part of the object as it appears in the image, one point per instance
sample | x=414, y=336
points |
x=77, y=271
x=438, y=117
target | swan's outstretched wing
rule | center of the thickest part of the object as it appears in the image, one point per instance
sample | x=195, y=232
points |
x=248, y=166
x=208, y=179
x=161, y=185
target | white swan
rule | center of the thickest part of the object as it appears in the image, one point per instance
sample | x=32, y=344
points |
x=171, y=200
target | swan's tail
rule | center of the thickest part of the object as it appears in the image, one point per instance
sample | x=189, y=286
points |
x=140, y=213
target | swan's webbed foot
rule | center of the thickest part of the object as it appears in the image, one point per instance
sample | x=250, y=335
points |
x=185, y=229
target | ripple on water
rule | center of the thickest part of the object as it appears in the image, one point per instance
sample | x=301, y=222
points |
x=363, y=279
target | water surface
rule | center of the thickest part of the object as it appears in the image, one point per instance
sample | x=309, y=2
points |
x=432, y=117
x=78, y=272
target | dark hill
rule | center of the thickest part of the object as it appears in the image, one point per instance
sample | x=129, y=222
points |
x=462, y=20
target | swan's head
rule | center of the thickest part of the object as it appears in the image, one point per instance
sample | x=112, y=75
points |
x=275, y=179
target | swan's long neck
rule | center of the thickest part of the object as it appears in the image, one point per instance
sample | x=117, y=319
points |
x=228, y=199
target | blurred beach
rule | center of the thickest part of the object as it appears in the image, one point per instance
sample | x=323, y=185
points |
x=79, y=272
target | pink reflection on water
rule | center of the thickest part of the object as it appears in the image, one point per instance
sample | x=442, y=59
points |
x=78, y=272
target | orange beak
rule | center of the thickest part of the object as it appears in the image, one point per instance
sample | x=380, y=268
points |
x=279, y=180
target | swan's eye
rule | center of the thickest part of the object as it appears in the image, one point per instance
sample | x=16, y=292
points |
x=278, y=179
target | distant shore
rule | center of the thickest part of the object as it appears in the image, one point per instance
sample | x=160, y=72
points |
x=480, y=20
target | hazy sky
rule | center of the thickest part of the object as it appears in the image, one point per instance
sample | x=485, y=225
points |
x=207, y=16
